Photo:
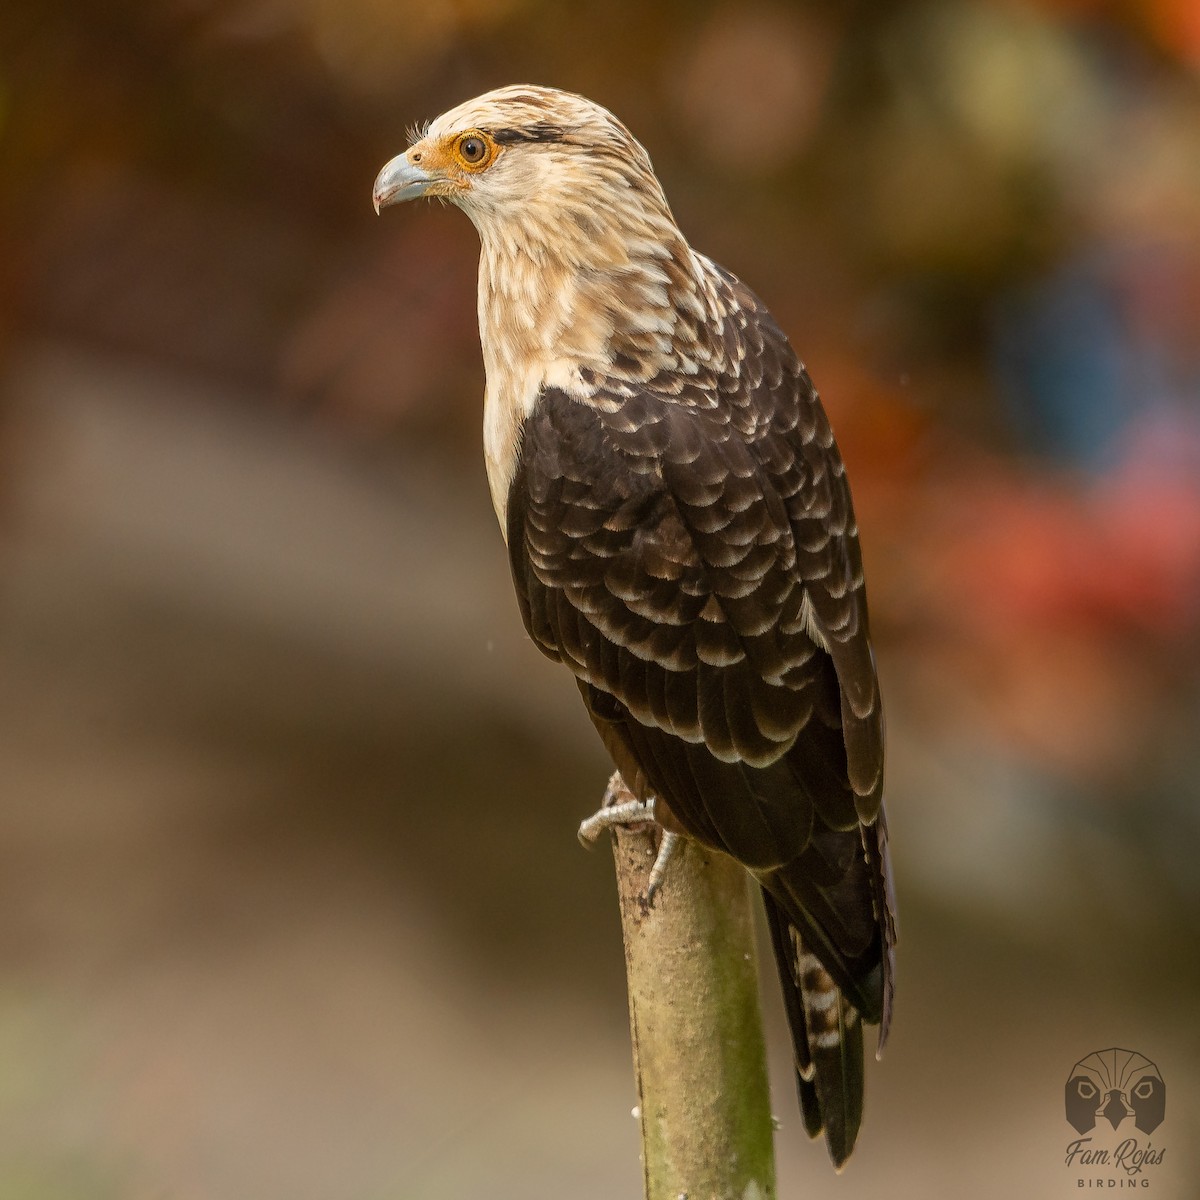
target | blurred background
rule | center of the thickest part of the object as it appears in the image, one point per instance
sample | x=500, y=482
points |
x=291, y=904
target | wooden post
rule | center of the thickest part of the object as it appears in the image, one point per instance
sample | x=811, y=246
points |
x=698, y=1053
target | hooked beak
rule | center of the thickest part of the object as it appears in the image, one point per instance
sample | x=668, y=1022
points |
x=400, y=180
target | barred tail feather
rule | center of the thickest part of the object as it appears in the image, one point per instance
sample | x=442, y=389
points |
x=827, y=1040
x=835, y=1036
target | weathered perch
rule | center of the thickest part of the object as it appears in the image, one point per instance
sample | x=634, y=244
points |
x=698, y=1052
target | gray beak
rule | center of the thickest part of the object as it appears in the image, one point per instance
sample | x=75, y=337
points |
x=399, y=181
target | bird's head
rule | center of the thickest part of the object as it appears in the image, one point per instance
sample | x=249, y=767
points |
x=529, y=156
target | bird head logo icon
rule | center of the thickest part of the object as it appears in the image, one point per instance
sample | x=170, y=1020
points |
x=1113, y=1085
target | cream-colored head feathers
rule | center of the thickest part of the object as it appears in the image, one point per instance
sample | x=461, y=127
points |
x=550, y=151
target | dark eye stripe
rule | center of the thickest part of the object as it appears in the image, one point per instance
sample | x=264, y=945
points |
x=542, y=131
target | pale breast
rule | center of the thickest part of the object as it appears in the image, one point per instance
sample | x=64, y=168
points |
x=503, y=414
x=509, y=398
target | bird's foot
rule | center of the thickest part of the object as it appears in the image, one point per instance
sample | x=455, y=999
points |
x=621, y=809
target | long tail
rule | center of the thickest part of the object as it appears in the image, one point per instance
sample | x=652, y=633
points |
x=827, y=1039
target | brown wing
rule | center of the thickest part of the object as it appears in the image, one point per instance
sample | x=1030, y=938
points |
x=654, y=554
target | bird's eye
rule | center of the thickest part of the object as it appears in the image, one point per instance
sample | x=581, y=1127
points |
x=473, y=150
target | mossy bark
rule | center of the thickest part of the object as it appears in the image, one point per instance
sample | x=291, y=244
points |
x=699, y=1059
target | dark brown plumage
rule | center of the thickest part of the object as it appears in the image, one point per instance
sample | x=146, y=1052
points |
x=682, y=538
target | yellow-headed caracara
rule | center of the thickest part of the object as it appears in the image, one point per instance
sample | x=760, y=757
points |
x=681, y=537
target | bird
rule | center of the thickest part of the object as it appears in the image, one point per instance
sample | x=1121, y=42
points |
x=681, y=537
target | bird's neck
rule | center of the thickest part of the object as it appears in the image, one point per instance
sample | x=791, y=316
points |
x=577, y=305
x=594, y=296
